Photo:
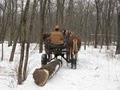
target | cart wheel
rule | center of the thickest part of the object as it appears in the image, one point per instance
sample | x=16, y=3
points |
x=44, y=59
x=49, y=57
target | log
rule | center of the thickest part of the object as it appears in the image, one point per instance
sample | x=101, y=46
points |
x=43, y=74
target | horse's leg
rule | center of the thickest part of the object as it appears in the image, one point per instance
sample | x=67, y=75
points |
x=72, y=62
x=68, y=56
x=75, y=60
x=74, y=54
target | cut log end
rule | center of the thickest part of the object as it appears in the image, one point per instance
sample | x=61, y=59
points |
x=41, y=76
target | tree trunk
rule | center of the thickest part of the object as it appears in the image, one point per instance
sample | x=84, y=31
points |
x=22, y=11
x=41, y=75
x=86, y=27
x=42, y=24
x=98, y=22
x=102, y=30
x=57, y=12
x=108, y=28
x=50, y=16
x=60, y=12
x=22, y=22
x=20, y=69
x=3, y=29
x=118, y=40
x=70, y=15
x=28, y=40
x=9, y=21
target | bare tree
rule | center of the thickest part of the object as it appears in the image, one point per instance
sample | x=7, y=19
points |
x=3, y=31
x=70, y=15
x=98, y=4
x=12, y=20
x=60, y=12
x=49, y=16
x=118, y=35
x=20, y=69
x=103, y=16
x=86, y=23
x=108, y=24
x=18, y=33
x=29, y=39
x=42, y=22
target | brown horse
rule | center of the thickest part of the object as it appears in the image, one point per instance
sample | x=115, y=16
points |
x=73, y=45
x=45, y=36
x=73, y=41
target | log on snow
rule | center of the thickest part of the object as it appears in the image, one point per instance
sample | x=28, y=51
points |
x=41, y=75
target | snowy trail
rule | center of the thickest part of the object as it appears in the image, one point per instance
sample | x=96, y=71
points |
x=95, y=71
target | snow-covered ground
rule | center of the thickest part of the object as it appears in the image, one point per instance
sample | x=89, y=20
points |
x=96, y=70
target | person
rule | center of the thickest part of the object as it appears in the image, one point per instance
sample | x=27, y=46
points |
x=56, y=36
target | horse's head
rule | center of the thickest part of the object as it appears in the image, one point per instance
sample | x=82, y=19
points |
x=68, y=33
x=45, y=36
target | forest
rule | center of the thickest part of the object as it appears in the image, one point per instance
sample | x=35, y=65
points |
x=24, y=21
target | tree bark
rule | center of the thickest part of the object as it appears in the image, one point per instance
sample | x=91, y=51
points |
x=28, y=40
x=118, y=39
x=3, y=29
x=20, y=68
x=98, y=22
x=108, y=28
x=86, y=23
x=42, y=24
x=41, y=75
x=70, y=15
x=60, y=12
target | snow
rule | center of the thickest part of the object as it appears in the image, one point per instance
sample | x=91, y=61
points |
x=96, y=70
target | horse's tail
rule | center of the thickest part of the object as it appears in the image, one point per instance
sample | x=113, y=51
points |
x=75, y=45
